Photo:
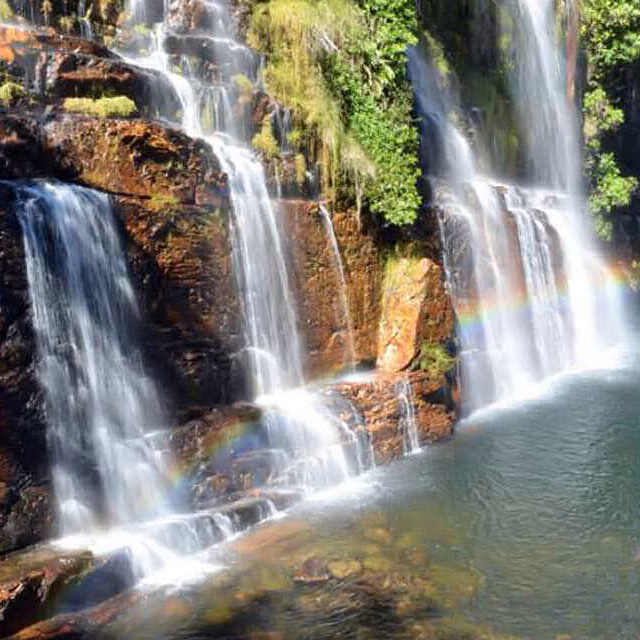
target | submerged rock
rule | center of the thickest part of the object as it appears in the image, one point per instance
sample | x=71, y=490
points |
x=341, y=569
x=313, y=571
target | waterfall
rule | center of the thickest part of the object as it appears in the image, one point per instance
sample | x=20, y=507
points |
x=102, y=409
x=99, y=400
x=407, y=422
x=297, y=422
x=531, y=295
x=342, y=283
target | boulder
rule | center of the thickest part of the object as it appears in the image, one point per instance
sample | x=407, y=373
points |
x=32, y=582
x=415, y=309
x=137, y=158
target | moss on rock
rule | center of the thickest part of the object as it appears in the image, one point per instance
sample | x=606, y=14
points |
x=10, y=92
x=118, y=106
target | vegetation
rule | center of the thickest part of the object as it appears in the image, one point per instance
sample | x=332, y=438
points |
x=6, y=13
x=265, y=141
x=10, y=92
x=118, y=106
x=433, y=359
x=611, y=33
x=340, y=65
x=162, y=202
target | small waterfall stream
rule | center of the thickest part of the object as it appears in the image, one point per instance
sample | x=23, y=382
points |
x=104, y=414
x=298, y=423
x=112, y=486
x=407, y=423
x=342, y=284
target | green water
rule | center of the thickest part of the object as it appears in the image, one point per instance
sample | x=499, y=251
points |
x=527, y=522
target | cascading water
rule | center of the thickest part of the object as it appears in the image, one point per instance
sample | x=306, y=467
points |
x=310, y=436
x=342, y=284
x=531, y=296
x=100, y=402
x=102, y=409
x=407, y=423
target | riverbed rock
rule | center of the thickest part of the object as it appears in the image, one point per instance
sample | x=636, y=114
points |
x=341, y=569
x=31, y=583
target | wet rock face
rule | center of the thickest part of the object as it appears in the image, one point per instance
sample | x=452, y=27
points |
x=321, y=315
x=52, y=67
x=25, y=511
x=137, y=158
x=180, y=261
x=188, y=16
x=30, y=583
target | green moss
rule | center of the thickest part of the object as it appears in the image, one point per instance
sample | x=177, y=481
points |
x=142, y=30
x=10, y=92
x=265, y=141
x=301, y=169
x=162, y=202
x=433, y=359
x=118, y=106
x=436, y=50
x=242, y=83
x=6, y=13
x=66, y=24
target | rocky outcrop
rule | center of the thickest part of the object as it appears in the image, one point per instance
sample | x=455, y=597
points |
x=378, y=403
x=31, y=582
x=415, y=309
x=172, y=201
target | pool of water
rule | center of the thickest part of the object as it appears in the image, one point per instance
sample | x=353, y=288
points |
x=537, y=504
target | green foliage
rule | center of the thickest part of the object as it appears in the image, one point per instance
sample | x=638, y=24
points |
x=118, y=106
x=434, y=359
x=265, y=141
x=10, y=92
x=611, y=36
x=340, y=65
x=600, y=116
x=242, y=83
x=6, y=13
x=610, y=190
x=611, y=32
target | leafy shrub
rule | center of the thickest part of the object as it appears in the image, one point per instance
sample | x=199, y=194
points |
x=433, y=359
x=611, y=33
x=340, y=65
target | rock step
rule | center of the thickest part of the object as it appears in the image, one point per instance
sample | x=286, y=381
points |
x=43, y=581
